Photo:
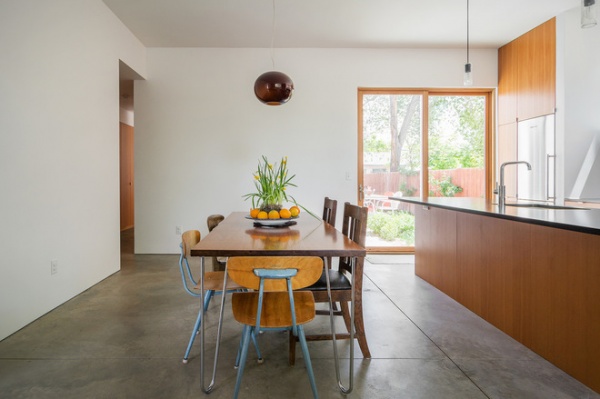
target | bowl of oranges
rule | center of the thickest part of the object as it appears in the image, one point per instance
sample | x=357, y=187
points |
x=274, y=217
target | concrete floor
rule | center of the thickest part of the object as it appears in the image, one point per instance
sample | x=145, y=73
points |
x=124, y=338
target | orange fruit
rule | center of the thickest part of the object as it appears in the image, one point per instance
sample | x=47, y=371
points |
x=273, y=214
x=295, y=211
x=285, y=213
x=262, y=215
x=254, y=212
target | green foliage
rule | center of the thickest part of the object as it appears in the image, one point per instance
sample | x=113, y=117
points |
x=456, y=132
x=444, y=187
x=377, y=119
x=406, y=190
x=392, y=226
x=271, y=182
x=373, y=143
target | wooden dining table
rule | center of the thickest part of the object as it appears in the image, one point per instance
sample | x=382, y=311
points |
x=304, y=236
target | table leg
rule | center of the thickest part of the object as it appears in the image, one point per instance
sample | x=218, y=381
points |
x=341, y=386
x=219, y=331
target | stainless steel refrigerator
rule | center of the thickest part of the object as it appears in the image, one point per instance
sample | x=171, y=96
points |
x=535, y=144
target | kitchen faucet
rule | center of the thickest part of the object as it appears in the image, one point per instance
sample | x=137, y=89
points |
x=501, y=189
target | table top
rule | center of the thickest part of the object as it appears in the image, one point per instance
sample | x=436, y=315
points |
x=310, y=236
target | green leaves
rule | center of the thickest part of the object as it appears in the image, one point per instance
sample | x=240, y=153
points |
x=271, y=182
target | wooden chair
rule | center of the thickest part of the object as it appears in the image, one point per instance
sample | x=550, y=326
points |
x=329, y=210
x=213, y=282
x=213, y=221
x=274, y=305
x=355, y=228
x=329, y=214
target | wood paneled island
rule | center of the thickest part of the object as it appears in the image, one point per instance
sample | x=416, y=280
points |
x=533, y=273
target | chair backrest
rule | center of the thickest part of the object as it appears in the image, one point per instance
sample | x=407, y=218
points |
x=355, y=228
x=329, y=210
x=355, y=223
x=245, y=271
x=213, y=221
x=188, y=240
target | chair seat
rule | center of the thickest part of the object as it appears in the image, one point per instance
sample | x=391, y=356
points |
x=337, y=281
x=276, y=310
x=213, y=281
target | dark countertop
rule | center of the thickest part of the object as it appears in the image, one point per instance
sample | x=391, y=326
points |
x=581, y=220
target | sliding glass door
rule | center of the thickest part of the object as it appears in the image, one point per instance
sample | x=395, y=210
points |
x=419, y=144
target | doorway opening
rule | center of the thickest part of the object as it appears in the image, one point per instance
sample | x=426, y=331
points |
x=126, y=157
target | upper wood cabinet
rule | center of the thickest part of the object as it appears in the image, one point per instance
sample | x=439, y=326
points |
x=527, y=75
x=507, y=83
x=536, y=59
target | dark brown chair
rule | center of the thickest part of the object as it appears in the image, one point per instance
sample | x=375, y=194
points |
x=355, y=228
x=213, y=221
x=329, y=210
x=329, y=213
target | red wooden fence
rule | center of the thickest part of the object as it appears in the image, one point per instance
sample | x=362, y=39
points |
x=472, y=182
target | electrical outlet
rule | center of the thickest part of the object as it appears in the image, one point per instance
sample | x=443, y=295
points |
x=53, y=267
x=178, y=230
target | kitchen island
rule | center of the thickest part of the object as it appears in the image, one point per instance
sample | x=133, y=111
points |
x=534, y=273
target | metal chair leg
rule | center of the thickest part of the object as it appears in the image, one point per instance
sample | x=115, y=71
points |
x=307, y=362
x=259, y=359
x=245, y=341
x=207, y=297
x=193, y=337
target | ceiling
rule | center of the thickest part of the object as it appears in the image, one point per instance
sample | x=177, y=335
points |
x=332, y=23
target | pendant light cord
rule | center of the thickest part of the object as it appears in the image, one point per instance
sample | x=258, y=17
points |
x=467, y=31
x=273, y=36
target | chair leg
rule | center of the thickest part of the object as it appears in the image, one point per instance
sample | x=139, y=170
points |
x=207, y=297
x=193, y=337
x=243, y=356
x=292, y=349
x=346, y=314
x=359, y=325
x=259, y=360
x=307, y=362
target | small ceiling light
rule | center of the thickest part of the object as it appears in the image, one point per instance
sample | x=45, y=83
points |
x=468, y=77
x=588, y=13
x=273, y=88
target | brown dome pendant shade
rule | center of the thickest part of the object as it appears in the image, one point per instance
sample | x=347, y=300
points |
x=273, y=88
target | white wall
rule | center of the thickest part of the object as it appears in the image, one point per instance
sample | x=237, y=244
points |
x=59, y=151
x=200, y=131
x=578, y=96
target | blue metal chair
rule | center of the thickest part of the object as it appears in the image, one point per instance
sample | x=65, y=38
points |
x=274, y=305
x=213, y=283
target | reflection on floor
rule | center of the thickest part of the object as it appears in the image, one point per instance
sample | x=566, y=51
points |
x=124, y=338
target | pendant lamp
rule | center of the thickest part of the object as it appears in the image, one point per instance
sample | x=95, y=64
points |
x=273, y=87
x=468, y=77
x=588, y=13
